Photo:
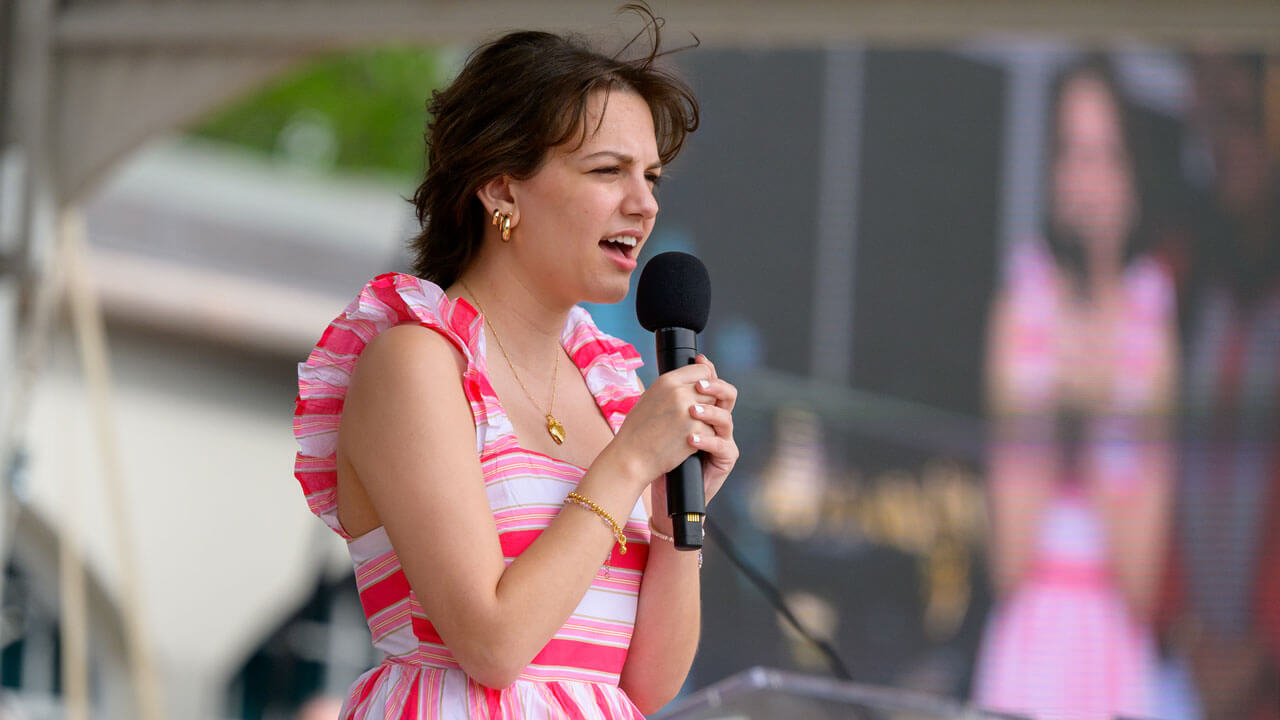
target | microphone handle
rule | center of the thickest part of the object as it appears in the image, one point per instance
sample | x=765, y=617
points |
x=686, y=502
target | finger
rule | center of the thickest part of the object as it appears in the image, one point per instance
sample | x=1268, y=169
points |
x=702, y=430
x=721, y=392
x=719, y=419
x=704, y=360
x=688, y=374
x=712, y=481
x=728, y=399
x=723, y=451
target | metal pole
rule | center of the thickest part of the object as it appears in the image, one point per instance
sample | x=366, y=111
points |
x=26, y=206
x=91, y=339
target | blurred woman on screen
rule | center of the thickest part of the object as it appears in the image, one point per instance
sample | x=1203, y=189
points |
x=1081, y=377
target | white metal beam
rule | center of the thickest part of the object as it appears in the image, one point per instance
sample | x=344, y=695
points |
x=308, y=25
x=110, y=102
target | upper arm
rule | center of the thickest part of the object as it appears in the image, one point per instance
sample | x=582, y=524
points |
x=1166, y=368
x=1019, y=462
x=408, y=432
x=1002, y=397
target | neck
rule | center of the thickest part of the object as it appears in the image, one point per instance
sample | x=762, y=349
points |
x=528, y=319
x=1105, y=267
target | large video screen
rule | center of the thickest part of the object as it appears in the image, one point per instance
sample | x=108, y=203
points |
x=1006, y=322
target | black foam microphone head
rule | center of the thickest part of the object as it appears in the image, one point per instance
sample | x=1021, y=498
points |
x=674, y=291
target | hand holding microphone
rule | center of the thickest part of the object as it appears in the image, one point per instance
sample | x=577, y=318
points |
x=672, y=300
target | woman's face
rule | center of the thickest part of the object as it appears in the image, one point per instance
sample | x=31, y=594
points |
x=1093, y=193
x=585, y=214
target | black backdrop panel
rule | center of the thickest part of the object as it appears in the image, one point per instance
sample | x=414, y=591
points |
x=927, y=226
x=747, y=191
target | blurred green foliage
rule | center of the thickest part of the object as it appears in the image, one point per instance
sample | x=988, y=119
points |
x=363, y=111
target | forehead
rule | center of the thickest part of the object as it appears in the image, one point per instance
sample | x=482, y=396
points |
x=619, y=120
x=1087, y=104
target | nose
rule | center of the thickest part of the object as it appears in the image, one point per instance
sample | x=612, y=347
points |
x=640, y=200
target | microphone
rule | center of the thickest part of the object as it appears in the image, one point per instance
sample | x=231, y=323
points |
x=673, y=298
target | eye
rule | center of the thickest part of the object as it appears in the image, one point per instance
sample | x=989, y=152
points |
x=609, y=170
x=654, y=179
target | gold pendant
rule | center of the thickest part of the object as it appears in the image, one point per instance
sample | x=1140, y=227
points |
x=555, y=429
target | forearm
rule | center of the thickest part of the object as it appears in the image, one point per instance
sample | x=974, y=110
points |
x=542, y=586
x=1022, y=480
x=1136, y=520
x=668, y=623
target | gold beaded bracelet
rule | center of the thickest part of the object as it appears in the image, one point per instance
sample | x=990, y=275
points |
x=655, y=532
x=582, y=500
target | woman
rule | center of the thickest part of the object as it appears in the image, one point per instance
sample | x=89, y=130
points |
x=488, y=454
x=1081, y=370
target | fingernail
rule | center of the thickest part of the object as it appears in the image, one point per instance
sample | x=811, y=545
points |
x=698, y=409
x=697, y=438
x=704, y=384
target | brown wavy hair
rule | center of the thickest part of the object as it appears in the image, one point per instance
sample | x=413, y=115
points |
x=516, y=98
x=1068, y=250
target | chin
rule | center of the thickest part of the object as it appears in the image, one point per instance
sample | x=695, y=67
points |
x=609, y=293
x=609, y=298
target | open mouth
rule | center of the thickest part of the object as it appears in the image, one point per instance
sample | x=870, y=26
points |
x=623, y=245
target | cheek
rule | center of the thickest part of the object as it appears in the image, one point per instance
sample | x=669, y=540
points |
x=590, y=218
x=1094, y=177
x=1067, y=183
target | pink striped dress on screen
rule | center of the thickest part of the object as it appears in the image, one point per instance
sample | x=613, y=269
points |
x=1063, y=644
x=576, y=674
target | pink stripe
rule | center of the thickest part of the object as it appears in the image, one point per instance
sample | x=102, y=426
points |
x=575, y=654
x=588, y=352
x=620, y=581
x=524, y=513
x=515, y=462
x=425, y=631
x=390, y=620
x=621, y=406
x=384, y=593
x=566, y=703
x=363, y=689
x=612, y=705
x=400, y=691
x=376, y=568
x=1061, y=572
x=593, y=626
x=511, y=458
x=412, y=704
x=515, y=542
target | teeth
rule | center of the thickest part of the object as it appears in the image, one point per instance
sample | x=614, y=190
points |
x=622, y=240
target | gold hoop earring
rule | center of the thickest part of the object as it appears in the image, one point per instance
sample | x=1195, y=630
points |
x=506, y=227
x=497, y=214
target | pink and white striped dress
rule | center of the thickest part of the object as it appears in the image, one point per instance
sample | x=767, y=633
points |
x=576, y=674
x=1063, y=645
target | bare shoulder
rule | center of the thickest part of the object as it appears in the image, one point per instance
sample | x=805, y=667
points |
x=406, y=382
x=404, y=348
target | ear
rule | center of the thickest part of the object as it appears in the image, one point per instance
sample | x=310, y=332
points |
x=496, y=195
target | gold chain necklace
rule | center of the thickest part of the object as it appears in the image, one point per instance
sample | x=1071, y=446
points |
x=554, y=428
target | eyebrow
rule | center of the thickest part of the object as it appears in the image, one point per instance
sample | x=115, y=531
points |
x=622, y=158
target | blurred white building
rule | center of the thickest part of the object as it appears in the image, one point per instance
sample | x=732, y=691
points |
x=217, y=272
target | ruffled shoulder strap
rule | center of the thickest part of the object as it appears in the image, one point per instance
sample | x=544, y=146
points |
x=1030, y=370
x=386, y=301
x=1150, y=290
x=608, y=364
x=1030, y=283
x=1029, y=265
